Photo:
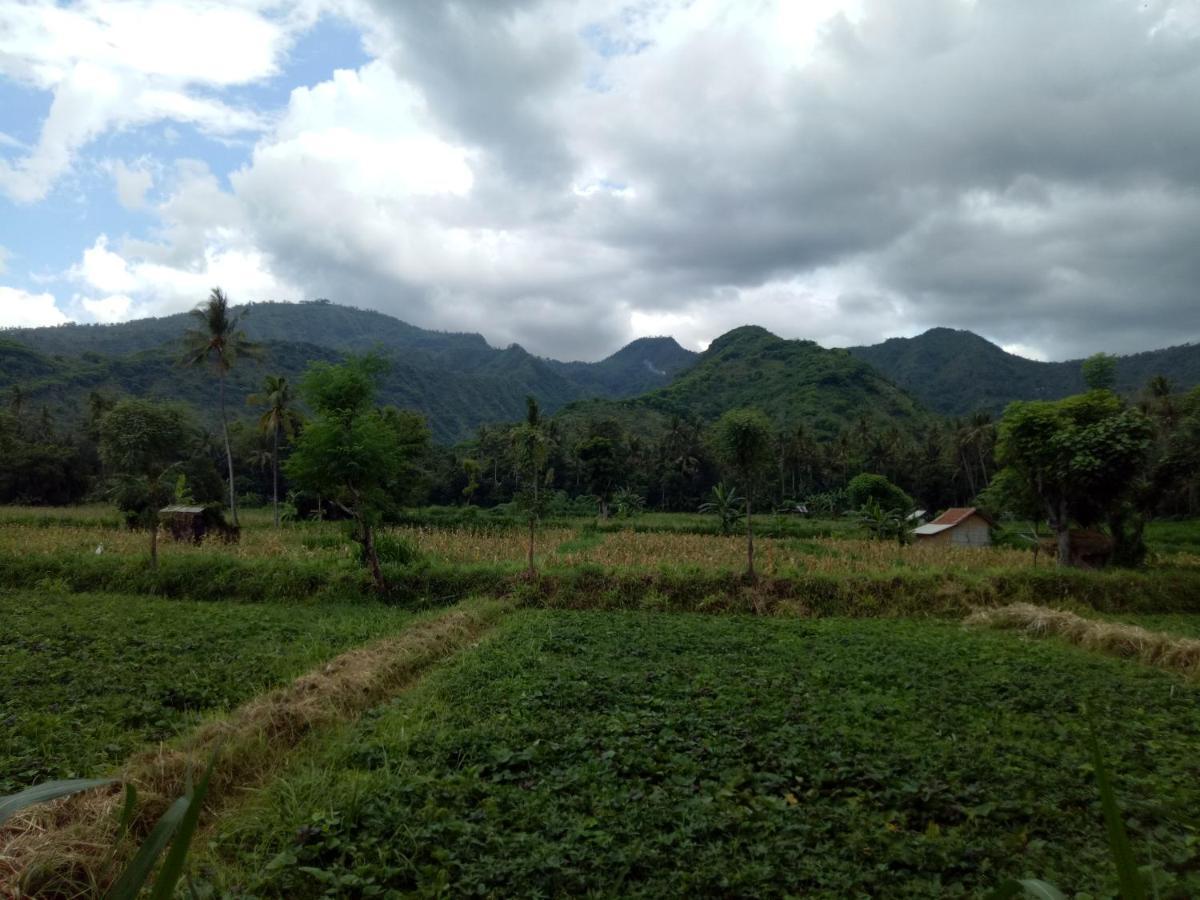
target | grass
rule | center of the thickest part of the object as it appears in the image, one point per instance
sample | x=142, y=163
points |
x=629, y=754
x=90, y=678
x=64, y=849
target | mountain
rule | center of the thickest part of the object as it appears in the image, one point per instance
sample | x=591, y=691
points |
x=794, y=382
x=958, y=372
x=457, y=380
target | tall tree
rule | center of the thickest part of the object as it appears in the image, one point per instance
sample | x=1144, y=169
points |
x=743, y=441
x=353, y=453
x=279, y=419
x=1100, y=372
x=142, y=444
x=1077, y=458
x=531, y=446
x=218, y=339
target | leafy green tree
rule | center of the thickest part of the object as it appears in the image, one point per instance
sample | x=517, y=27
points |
x=629, y=503
x=866, y=488
x=142, y=445
x=1100, y=372
x=471, y=468
x=531, y=446
x=743, y=441
x=1078, y=457
x=601, y=469
x=883, y=523
x=728, y=506
x=279, y=419
x=219, y=340
x=353, y=453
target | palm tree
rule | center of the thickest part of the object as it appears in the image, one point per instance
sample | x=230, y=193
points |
x=279, y=419
x=217, y=339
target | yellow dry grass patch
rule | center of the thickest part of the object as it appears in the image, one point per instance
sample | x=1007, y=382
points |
x=1155, y=648
x=61, y=849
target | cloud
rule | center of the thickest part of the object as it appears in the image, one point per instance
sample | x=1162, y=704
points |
x=117, y=63
x=21, y=309
x=571, y=175
x=132, y=183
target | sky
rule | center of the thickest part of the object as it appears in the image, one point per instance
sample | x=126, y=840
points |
x=572, y=175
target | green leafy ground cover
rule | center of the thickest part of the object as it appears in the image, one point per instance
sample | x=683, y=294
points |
x=627, y=754
x=86, y=679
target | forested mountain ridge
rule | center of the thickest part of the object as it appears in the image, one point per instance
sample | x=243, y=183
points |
x=796, y=383
x=457, y=380
x=958, y=372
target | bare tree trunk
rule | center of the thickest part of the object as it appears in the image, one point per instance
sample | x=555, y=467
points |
x=372, y=555
x=275, y=474
x=749, y=540
x=228, y=452
x=529, y=558
x=1060, y=521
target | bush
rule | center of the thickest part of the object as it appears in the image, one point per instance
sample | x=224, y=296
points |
x=864, y=488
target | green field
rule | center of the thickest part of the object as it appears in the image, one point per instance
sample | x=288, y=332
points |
x=626, y=729
x=648, y=755
x=89, y=678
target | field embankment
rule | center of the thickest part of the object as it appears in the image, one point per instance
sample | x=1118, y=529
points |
x=62, y=849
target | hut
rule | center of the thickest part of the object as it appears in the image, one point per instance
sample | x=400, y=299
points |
x=964, y=526
x=184, y=523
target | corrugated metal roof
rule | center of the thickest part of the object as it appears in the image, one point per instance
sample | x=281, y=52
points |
x=189, y=510
x=931, y=528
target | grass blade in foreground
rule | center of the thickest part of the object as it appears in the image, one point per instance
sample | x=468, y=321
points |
x=1128, y=875
x=137, y=873
x=43, y=793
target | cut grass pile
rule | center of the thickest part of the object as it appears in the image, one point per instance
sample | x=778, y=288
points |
x=63, y=848
x=1154, y=648
x=88, y=678
x=628, y=754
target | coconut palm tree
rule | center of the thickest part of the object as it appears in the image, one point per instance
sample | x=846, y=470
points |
x=217, y=339
x=279, y=419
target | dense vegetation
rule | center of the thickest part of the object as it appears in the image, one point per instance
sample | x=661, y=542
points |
x=560, y=722
x=457, y=381
x=618, y=755
x=957, y=373
x=152, y=667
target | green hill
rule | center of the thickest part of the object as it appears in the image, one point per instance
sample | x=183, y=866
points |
x=957, y=372
x=457, y=380
x=794, y=382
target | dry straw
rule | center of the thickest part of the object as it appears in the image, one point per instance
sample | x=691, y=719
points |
x=1155, y=648
x=61, y=849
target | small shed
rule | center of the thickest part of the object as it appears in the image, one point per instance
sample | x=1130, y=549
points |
x=185, y=523
x=962, y=526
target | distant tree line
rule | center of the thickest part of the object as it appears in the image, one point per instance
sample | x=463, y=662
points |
x=1095, y=460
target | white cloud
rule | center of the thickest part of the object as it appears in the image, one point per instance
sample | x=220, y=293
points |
x=117, y=308
x=115, y=63
x=132, y=183
x=21, y=309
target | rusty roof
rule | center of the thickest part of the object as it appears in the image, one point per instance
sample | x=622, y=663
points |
x=958, y=514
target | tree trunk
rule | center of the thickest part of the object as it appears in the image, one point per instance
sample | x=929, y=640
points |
x=1063, y=533
x=228, y=453
x=749, y=540
x=368, y=536
x=529, y=559
x=275, y=475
